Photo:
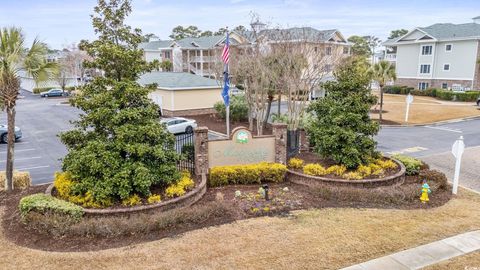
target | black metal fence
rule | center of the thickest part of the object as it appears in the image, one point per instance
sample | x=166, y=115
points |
x=293, y=143
x=184, y=145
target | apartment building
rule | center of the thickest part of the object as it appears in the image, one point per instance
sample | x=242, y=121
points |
x=198, y=55
x=443, y=55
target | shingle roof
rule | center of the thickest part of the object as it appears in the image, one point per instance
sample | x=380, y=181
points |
x=177, y=80
x=308, y=33
x=453, y=31
x=155, y=45
x=207, y=42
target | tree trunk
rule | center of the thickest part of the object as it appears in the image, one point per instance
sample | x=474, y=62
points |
x=279, y=105
x=381, y=104
x=10, y=147
x=269, y=107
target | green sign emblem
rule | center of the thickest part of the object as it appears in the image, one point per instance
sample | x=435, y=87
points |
x=242, y=137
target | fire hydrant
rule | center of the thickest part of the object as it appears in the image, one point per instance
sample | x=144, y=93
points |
x=425, y=191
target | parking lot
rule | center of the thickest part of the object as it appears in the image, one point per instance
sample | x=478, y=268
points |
x=40, y=150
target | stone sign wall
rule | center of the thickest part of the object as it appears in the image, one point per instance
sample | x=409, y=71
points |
x=241, y=148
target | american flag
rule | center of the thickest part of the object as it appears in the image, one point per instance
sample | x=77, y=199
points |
x=226, y=51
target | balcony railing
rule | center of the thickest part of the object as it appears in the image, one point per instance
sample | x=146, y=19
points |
x=391, y=56
x=202, y=59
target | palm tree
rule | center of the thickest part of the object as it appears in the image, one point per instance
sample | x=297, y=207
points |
x=383, y=72
x=15, y=58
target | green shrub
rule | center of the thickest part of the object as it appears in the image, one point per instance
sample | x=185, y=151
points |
x=397, y=89
x=445, y=94
x=412, y=165
x=42, y=203
x=21, y=180
x=238, y=108
x=341, y=128
x=247, y=174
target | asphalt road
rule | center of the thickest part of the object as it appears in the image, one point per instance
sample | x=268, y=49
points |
x=40, y=150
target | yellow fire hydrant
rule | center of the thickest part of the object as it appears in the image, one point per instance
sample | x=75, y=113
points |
x=425, y=191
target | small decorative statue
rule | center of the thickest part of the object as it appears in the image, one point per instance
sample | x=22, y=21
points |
x=425, y=191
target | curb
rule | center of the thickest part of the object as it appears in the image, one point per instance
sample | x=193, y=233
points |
x=434, y=123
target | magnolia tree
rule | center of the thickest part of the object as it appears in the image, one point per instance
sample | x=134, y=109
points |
x=118, y=147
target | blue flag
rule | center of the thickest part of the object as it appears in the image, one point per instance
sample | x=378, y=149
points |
x=226, y=88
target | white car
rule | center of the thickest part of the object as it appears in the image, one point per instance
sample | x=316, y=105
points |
x=179, y=124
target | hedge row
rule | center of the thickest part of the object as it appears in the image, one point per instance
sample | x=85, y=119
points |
x=434, y=92
x=247, y=174
x=42, y=204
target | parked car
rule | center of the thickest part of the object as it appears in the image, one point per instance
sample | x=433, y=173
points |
x=177, y=125
x=478, y=101
x=4, y=130
x=53, y=93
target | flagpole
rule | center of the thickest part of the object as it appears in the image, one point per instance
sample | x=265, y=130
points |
x=227, y=108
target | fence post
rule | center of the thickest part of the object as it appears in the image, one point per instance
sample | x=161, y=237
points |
x=201, y=150
x=280, y=133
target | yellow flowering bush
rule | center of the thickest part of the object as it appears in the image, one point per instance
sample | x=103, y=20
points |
x=181, y=187
x=295, y=163
x=386, y=164
x=63, y=183
x=376, y=169
x=337, y=170
x=364, y=171
x=314, y=169
x=352, y=176
x=154, y=198
x=132, y=200
x=247, y=174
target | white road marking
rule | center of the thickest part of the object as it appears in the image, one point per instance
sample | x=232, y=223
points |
x=32, y=168
x=445, y=129
x=20, y=150
x=20, y=159
x=408, y=150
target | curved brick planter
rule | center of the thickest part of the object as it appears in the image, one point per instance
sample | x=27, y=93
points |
x=188, y=199
x=311, y=181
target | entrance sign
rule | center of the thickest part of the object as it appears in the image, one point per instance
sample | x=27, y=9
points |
x=457, y=151
x=241, y=148
x=409, y=101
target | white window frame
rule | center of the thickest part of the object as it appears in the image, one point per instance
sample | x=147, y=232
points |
x=451, y=47
x=328, y=50
x=426, y=84
x=429, y=69
x=446, y=85
x=431, y=49
x=449, y=67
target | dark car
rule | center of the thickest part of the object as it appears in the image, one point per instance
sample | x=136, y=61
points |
x=478, y=102
x=52, y=93
x=3, y=133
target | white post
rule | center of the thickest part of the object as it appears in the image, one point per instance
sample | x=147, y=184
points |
x=408, y=100
x=457, y=151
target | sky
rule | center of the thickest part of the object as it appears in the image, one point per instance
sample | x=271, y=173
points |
x=60, y=23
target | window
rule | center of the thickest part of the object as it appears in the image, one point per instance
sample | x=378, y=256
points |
x=427, y=50
x=167, y=54
x=446, y=67
x=345, y=50
x=424, y=69
x=444, y=85
x=448, y=47
x=422, y=85
x=328, y=50
x=315, y=49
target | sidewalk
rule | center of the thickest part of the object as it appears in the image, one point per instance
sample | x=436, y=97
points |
x=425, y=255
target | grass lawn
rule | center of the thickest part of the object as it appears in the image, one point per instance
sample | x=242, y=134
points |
x=310, y=239
x=470, y=261
x=425, y=109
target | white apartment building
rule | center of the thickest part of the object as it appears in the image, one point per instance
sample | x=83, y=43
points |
x=443, y=55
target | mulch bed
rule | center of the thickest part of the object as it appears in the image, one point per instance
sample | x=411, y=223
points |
x=219, y=206
x=215, y=123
